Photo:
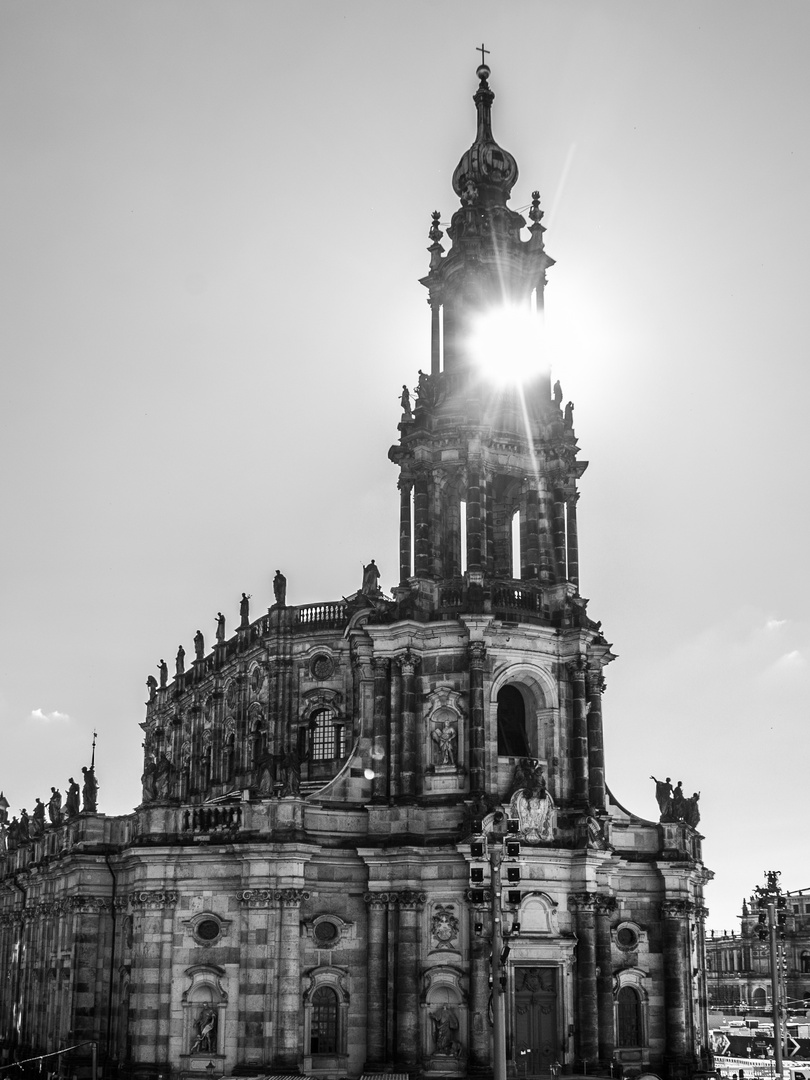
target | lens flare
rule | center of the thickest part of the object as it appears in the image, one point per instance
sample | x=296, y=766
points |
x=506, y=344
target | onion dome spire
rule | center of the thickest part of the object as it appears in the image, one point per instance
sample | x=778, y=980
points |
x=486, y=172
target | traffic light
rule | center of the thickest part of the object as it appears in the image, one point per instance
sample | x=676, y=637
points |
x=477, y=827
x=515, y=928
x=477, y=849
x=513, y=896
x=512, y=847
x=512, y=825
x=479, y=928
x=477, y=874
x=513, y=873
x=762, y=928
x=477, y=896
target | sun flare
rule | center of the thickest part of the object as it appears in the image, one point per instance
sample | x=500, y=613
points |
x=506, y=345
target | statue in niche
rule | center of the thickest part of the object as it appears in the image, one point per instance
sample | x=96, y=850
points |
x=199, y=645
x=663, y=796
x=445, y=1026
x=89, y=790
x=148, y=780
x=162, y=776
x=291, y=766
x=280, y=589
x=72, y=800
x=205, y=1027
x=371, y=577
x=244, y=610
x=531, y=803
x=55, y=807
x=444, y=739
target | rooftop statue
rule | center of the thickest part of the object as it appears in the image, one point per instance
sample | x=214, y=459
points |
x=180, y=662
x=280, y=589
x=163, y=670
x=199, y=645
x=72, y=800
x=371, y=577
x=38, y=818
x=89, y=790
x=151, y=684
x=55, y=807
x=220, y=628
x=244, y=610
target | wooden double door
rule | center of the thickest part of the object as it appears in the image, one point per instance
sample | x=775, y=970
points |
x=536, y=1027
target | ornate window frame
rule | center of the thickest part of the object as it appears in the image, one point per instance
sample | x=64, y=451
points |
x=634, y=979
x=336, y=979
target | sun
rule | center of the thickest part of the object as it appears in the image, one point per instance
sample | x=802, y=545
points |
x=506, y=345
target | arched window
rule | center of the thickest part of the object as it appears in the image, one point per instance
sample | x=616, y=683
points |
x=325, y=735
x=512, y=741
x=759, y=998
x=324, y=1029
x=805, y=959
x=628, y=1015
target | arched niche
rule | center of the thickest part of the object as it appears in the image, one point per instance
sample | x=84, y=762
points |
x=204, y=1002
x=444, y=1022
x=537, y=691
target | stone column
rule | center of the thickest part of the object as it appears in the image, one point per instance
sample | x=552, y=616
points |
x=421, y=513
x=474, y=531
x=395, y=732
x=480, y=945
x=674, y=915
x=605, y=906
x=558, y=527
x=435, y=335
x=596, y=747
x=288, y=1038
x=408, y=764
x=587, y=1021
x=577, y=670
x=376, y=956
x=545, y=572
x=405, y=488
x=477, y=652
x=380, y=752
x=530, y=538
x=410, y=903
x=573, y=539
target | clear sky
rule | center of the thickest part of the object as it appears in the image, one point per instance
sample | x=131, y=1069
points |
x=214, y=216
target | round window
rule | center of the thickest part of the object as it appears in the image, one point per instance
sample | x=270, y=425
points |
x=207, y=930
x=627, y=938
x=326, y=932
x=322, y=666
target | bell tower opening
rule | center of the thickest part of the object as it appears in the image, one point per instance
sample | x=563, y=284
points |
x=512, y=739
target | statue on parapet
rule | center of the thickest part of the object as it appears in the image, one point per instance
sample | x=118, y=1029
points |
x=38, y=818
x=163, y=671
x=220, y=620
x=89, y=790
x=244, y=610
x=663, y=796
x=4, y=805
x=405, y=402
x=558, y=394
x=199, y=646
x=568, y=416
x=691, y=813
x=151, y=686
x=72, y=799
x=180, y=661
x=55, y=807
x=24, y=827
x=371, y=577
x=531, y=803
x=280, y=589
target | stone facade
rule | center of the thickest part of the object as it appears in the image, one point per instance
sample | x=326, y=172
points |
x=738, y=969
x=294, y=891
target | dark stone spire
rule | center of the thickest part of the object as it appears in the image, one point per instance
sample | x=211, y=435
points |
x=486, y=172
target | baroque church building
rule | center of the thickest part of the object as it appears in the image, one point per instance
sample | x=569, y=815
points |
x=375, y=833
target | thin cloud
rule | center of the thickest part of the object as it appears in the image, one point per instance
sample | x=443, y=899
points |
x=52, y=717
x=774, y=624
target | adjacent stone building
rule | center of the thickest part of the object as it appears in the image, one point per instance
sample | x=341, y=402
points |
x=738, y=968
x=305, y=884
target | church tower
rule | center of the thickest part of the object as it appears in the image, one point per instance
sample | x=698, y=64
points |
x=310, y=883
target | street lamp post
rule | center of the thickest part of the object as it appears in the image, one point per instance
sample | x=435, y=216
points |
x=769, y=900
x=495, y=847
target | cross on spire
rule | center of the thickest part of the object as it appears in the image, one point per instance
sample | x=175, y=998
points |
x=480, y=48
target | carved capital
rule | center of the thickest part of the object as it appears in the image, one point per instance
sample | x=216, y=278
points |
x=291, y=897
x=408, y=663
x=256, y=897
x=582, y=901
x=676, y=909
x=596, y=681
x=701, y=912
x=410, y=899
x=379, y=666
x=605, y=905
x=153, y=898
x=377, y=899
x=577, y=669
x=478, y=652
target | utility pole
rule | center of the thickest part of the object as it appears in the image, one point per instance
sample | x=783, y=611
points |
x=495, y=847
x=769, y=900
